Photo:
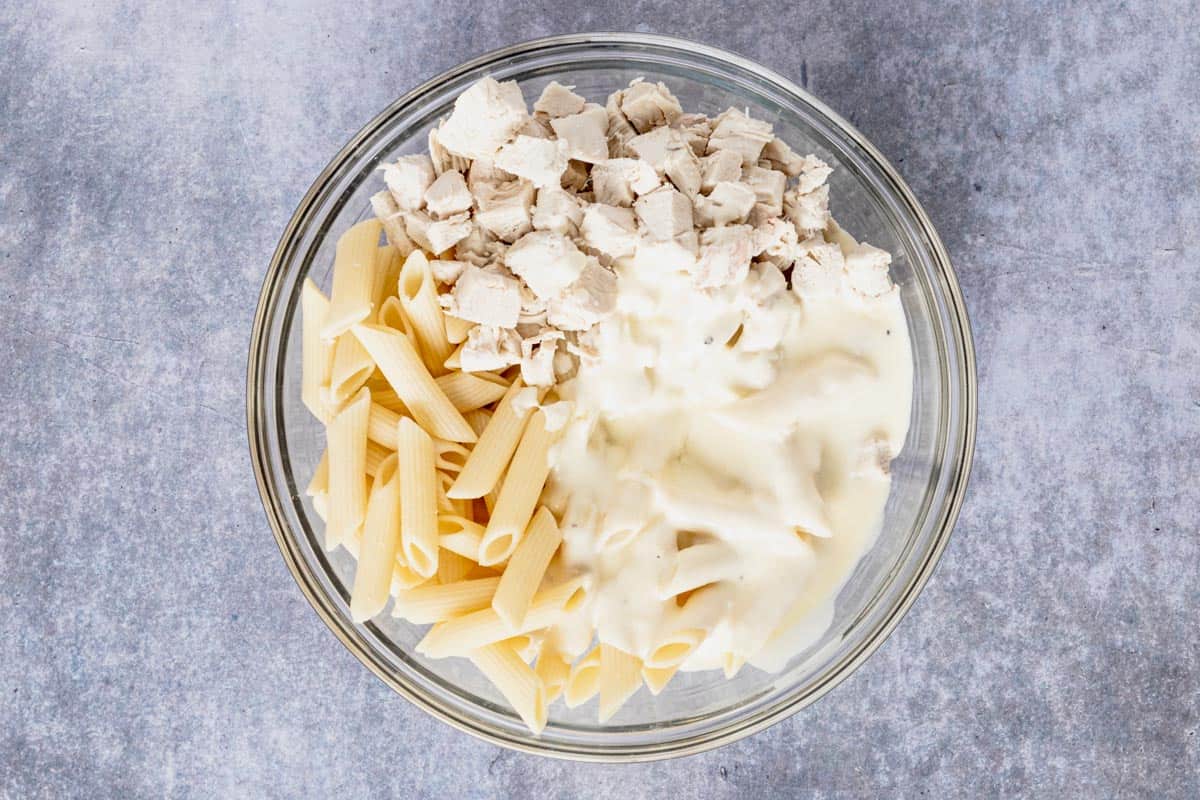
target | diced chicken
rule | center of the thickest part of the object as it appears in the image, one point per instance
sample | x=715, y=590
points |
x=810, y=211
x=505, y=209
x=480, y=247
x=416, y=225
x=557, y=210
x=683, y=169
x=649, y=105
x=657, y=145
x=768, y=186
x=488, y=348
x=448, y=195
x=576, y=176
x=874, y=459
x=566, y=366
x=485, y=171
x=442, y=158
x=813, y=173
x=582, y=344
x=737, y=132
x=762, y=331
x=695, y=128
x=446, y=233
x=728, y=202
x=537, y=357
x=764, y=282
x=723, y=165
x=610, y=230
x=616, y=181
x=585, y=134
x=558, y=101
x=867, y=269
x=547, y=262
x=591, y=298
x=407, y=180
x=725, y=255
x=672, y=255
x=820, y=268
x=619, y=130
x=664, y=213
x=486, y=297
x=485, y=117
x=760, y=214
x=539, y=161
x=536, y=128
x=775, y=241
x=447, y=271
x=782, y=157
x=385, y=208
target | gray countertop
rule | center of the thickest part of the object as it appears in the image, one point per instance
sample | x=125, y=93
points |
x=152, y=642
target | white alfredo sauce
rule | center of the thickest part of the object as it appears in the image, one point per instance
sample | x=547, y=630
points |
x=758, y=468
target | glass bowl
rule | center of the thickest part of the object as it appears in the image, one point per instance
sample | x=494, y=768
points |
x=698, y=710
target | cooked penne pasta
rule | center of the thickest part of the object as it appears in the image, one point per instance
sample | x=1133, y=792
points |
x=353, y=278
x=437, y=602
x=380, y=538
x=388, y=398
x=471, y=390
x=620, y=677
x=673, y=649
x=495, y=447
x=352, y=366
x=478, y=419
x=387, y=271
x=463, y=634
x=583, y=682
x=396, y=358
x=418, y=294
x=376, y=453
x=697, y=566
x=457, y=329
x=316, y=352
x=391, y=315
x=383, y=424
x=346, y=442
x=553, y=669
x=515, y=680
x=451, y=456
x=418, y=498
x=526, y=567
x=319, y=484
x=459, y=535
x=452, y=567
x=455, y=359
x=657, y=678
x=519, y=493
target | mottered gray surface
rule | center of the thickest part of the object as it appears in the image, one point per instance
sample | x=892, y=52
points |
x=152, y=642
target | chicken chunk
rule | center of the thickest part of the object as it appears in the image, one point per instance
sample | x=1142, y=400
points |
x=768, y=186
x=649, y=105
x=591, y=298
x=407, y=179
x=557, y=101
x=488, y=298
x=664, y=213
x=485, y=117
x=489, y=348
x=616, y=181
x=539, y=161
x=557, y=210
x=809, y=211
x=737, y=132
x=723, y=165
x=448, y=195
x=547, y=262
x=385, y=208
x=725, y=255
x=728, y=202
x=610, y=230
x=585, y=134
x=505, y=209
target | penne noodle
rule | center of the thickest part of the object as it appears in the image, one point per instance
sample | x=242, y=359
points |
x=387, y=271
x=316, y=360
x=478, y=419
x=418, y=294
x=388, y=398
x=515, y=680
x=391, y=315
x=583, y=682
x=620, y=677
x=451, y=456
x=319, y=485
x=731, y=663
x=674, y=649
x=526, y=567
x=346, y=441
x=352, y=366
x=353, y=279
x=656, y=679
x=382, y=425
x=553, y=669
x=519, y=493
x=471, y=390
x=495, y=447
x=377, y=551
x=403, y=578
x=418, y=498
x=452, y=567
x=455, y=359
x=400, y=364
x=437, y=602
x=320, y=504
x=457, y=329
x=697, y=566
x=459, y=535
x=376, y=453
x=462, y=634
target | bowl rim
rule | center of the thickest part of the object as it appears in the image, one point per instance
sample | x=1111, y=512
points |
x=962, y=343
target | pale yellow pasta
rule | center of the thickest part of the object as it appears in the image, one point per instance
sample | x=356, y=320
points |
x=382, y=425
x=396, y=358
x=455, y=359
x=553, y=669
x=452, y=567
x=459, y=535
x=377, y=551
x=418, y=294
x=387, y=271
x=620, y=677
x=463, y=634
x=451, y=456
x=515, y=680
x=376, y=453
x=657, y=679
x=697, y=566
x=391, y=315
x=526, y=567
x=353, y=279
x=346, y=441
x=352, y=366
x=319, y=485
x=320, y=504
x=316, y=352
x=437, y=602
x=519, y=493
x=387, y=397
x=671, y=650
x=478, y=419
x=495, y=447
x=404, y=578
x=583, y=682
x=731, y=663
x=471, y=390
x=457, y=329
x=418, y=498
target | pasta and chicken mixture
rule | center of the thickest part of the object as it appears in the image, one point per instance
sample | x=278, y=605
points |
x=616, y=397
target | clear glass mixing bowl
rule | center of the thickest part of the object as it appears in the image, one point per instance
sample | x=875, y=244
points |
x=700, y=710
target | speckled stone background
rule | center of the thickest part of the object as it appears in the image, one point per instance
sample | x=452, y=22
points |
x=152, y=643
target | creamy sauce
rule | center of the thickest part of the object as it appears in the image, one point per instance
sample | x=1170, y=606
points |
x=735, y=439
